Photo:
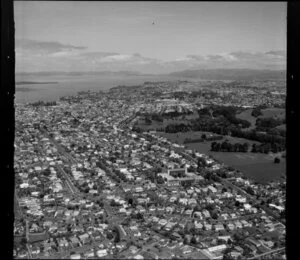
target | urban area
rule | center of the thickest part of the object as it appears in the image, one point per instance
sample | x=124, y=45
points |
x=120, y=174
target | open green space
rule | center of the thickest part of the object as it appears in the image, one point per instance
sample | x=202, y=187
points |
x=273, y=112
x=246, y=115
x=201, y=147
x=266, y=113
x=260, y=167
x=281, y=127
x=257, y=166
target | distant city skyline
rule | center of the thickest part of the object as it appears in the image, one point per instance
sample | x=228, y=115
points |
x=149, y=37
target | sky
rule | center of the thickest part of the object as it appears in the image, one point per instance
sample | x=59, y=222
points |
x=150, y=37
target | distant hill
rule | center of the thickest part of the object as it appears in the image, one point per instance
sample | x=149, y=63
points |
x=82, y=73
x=35, y=82
x=231, y=74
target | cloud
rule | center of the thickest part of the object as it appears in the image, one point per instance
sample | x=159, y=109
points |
x=49, y=56
x=41, y=47
x=277, y=53
x=238, y=59
x=98, y=55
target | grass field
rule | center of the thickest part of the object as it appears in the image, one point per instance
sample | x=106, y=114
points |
x=269, y=112
x=202, y=147
x=258, y=166
x=246, y=115
x=273, y=112
x=281, y=127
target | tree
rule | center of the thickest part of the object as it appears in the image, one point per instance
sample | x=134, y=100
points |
x=245, y=147
x=23, y=241
x=254, y=149
x=224, y=146
x=256, y=112
x=215, y=215
x=276, y=160
x=139, y=216
x=250, y=190
x=194, y=240
x=117, y=234
x=109, y=235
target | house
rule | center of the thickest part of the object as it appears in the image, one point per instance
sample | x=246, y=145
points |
x=175, y=236
x=198, y=225
x=188, y=212
x=22, y=254
x=173, y=198
x=75, y=241
x=139, y=189
x=152, y=208
x=230, y=226
x=212, y=189
x=89, y=253
x=233, y=215
x=225, y=238
x=186, y=249
x=192, y=201
x=247, y=206
x=163, y=222
x=269, y=244
x=206, y=213
x=245, y=223
x=235, y=254
x=62, y=230
x=253, y=242
x=34, y=228
x=207, y=226
x=63, y=242
x=35, y=250
x=75, y=256
x=217, y=249
x=238, y=224
x=197, y=214
x=251, y=247
x=239, y=249
x=183, y=201
x=219, y=227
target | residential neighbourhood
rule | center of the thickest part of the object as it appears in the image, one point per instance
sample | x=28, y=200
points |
x=88, y=186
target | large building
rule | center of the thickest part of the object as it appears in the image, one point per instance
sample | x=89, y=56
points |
x=175, y=177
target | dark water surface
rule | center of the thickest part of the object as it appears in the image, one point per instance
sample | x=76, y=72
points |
x=70, y=85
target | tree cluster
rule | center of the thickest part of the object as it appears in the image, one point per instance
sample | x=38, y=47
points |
x=202, y=139
x=264, y=124
x=175, y=128
x=267, y=147
x=259, y=137
x=256, y=112
x=228, y=147
x=42, y=103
